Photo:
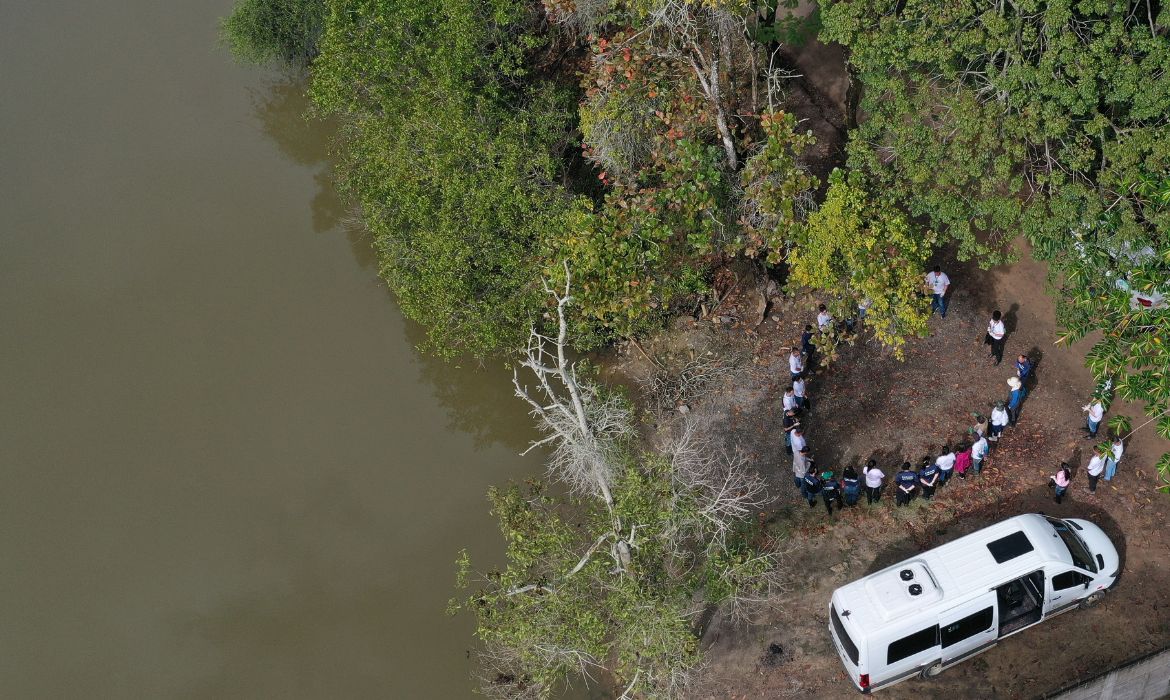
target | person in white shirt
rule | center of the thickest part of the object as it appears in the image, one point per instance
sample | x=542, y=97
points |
x=946, y=465
x=798, y=388
x=996, y=333
x=938, y=282
x=798, y=440
x=999, y=421
x=1096, y=466
x=1096, y=412
x=824, y=319
x=1115, y=451
x=873, y=482
x=789, y=401
x=795, y=364
x=978, y=453
x=800, y=468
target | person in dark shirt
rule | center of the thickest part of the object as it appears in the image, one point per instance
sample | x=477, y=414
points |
x=928, y=478
x=851, y=486
x=806, y=345
x=905, y=484
x=1023, y=368
x=812, y=486
x=830, y=491
x=790, y=423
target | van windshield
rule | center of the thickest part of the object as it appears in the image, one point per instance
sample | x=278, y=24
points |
x=846, y=642
x=1080, y=553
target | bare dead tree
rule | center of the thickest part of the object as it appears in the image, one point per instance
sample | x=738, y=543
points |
x=671, y=385
x=584, y=425
x=726, y=492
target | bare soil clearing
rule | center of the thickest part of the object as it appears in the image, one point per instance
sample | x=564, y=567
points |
x=869, y=404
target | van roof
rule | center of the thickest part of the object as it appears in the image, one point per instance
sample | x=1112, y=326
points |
x=941, y=578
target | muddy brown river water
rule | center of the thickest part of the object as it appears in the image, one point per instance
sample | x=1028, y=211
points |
x=224, y=470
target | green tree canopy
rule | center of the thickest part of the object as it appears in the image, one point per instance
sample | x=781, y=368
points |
x=1049, y=118
x=275, y=31
x=452, y=150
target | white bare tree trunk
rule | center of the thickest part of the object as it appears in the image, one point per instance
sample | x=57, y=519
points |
x=582, y=425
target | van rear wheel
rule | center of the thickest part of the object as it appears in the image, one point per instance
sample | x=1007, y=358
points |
x=1092, y=599
x=932, y=671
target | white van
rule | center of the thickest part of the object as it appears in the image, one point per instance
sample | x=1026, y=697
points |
x=954, y=601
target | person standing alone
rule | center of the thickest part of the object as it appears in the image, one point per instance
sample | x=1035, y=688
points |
x=937, y=283
x=1061, y=480
x=996, y=335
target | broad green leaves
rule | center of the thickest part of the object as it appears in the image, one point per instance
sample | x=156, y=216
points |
x=1049, y=118
x=857, y=248
x=777, y=190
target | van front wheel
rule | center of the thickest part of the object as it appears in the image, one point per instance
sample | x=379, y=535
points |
x=1092, y=599
x=932, y=671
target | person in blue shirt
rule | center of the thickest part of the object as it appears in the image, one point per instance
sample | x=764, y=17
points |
x=1015, y=399
x=905, y=484
x=928, y=478
x=1023, y=368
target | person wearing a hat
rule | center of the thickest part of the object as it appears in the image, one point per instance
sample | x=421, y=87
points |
x=830, y=490
x=906, y=483
x=999, y=421
x=1015, y=399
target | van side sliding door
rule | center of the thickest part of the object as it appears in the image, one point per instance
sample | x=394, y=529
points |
x=968, y=630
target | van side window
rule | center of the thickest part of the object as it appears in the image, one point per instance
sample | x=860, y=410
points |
x=909, y=646
x=1068, y=579
x=967, y=627
x=850, y=647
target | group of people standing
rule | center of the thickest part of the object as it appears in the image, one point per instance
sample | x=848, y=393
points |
x=933, y=473
x=1104, y=460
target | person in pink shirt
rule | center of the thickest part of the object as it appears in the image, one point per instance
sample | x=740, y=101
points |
x=1061, y=480
x=963, y=460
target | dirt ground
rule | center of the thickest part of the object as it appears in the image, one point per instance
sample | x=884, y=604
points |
x=869, y=404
